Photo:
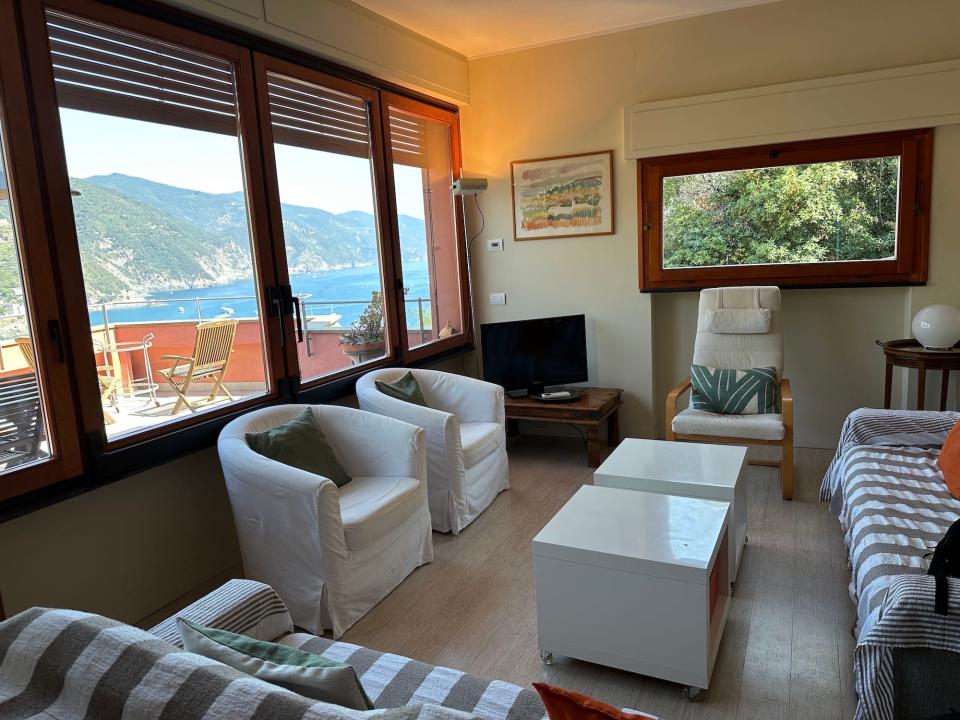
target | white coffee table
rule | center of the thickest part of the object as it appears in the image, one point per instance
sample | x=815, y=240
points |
x=634, y=580
x=712, y=472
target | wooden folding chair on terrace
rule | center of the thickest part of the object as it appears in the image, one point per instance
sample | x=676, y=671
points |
x=212, y=348
x=26, y=347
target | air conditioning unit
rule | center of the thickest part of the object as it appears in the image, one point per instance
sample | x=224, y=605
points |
x=469, y=186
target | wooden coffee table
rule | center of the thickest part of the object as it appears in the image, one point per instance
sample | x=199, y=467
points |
x=589, y=411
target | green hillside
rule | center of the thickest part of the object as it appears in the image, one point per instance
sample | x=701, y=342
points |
x=137, y=236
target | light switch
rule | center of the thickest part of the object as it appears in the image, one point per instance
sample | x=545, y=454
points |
x=495, y=245
x=498, y=298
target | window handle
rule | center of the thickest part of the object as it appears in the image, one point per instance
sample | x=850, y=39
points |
x=56, y=337
x=298, y=317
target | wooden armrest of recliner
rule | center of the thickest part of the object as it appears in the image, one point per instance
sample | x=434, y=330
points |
x=672, y=397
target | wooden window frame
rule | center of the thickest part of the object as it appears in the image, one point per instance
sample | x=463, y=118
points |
x=264, y=64
x=64, y=229
x=89, y=460
x=433, y=113
x=35, y=252
x=909, y=267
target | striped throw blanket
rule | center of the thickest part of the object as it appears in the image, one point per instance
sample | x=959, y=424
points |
x=393, y=680
x=893, y=507
x=906, y=621
x=246, y=607
x=61, y=664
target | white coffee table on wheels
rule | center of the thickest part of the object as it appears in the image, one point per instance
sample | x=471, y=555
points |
x=634, y=580
x=711, y=472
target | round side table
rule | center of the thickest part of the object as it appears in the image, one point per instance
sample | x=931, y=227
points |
x=911, y=354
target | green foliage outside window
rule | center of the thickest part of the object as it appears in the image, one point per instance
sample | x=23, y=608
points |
x=819, y=212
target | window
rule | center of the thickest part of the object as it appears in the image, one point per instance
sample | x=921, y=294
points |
x=39, y=442
x=151, y=135
x=230, y=229
x=848, y=211
x=424, y=162
x=325, y=155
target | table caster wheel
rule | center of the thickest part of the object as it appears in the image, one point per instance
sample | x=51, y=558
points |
x=546, y=657
x=692, y=694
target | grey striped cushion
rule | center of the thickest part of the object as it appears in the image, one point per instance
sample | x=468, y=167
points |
x=68, y=664
x=246, y=607
x=393, y=680
x=893, y=507
x=906, y=621
x=890, y=428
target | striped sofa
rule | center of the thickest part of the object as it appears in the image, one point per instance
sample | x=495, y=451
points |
x=66, y=664
x=885, y=488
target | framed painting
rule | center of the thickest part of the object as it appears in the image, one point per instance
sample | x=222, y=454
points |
x=567, y=196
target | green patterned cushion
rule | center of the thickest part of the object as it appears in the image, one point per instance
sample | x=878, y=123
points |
x=312, y=676
x=404, y=388
x=300, y=443
x=735, y=392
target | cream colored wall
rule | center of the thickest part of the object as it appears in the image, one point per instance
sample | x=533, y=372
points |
x=349, y=34
x=126, y=549
x=570, y=97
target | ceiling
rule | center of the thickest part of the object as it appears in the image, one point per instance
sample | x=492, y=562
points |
x=488, y=27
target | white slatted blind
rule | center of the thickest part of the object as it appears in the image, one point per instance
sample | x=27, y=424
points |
x=408, y=139
x=309, y=116
x=114, y=72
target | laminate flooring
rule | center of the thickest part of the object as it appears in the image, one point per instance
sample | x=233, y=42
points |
x=786, y=652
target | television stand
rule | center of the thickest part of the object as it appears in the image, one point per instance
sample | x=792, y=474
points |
x=594, y=407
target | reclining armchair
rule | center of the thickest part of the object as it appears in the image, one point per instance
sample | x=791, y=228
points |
x=738, y=351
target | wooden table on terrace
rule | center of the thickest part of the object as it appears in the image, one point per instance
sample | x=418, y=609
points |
x=594, y=407
x=911, y=354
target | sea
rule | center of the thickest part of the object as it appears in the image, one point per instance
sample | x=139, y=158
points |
x=343, y=292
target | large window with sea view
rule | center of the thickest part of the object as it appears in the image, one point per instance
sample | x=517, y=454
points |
x=424, y=155
x=326, y=184
x=150, y=133
x=228, y=226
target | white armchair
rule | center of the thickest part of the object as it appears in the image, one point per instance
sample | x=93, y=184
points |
x=331, y=553
x=738, y=351
x=466, y=439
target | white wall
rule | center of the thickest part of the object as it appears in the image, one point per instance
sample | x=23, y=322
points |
x=570, y=97
x=349, y=34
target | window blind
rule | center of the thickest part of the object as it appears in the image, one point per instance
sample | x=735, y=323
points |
x=115, y=72
x=309, y=116
x=408, y=139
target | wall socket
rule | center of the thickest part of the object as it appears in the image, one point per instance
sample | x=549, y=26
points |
x=498, y=298
x=495, y=245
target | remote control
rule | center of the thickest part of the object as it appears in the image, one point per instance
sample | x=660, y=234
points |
x=558, y=394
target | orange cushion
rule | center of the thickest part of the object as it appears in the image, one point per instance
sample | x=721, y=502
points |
x=949, y=461
x=568, y=705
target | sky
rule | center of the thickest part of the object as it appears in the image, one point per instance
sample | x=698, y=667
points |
x=103, y=144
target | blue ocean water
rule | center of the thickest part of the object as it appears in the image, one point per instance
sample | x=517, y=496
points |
x=329, y=292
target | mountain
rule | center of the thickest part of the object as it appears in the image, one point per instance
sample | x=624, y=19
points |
x=315, y=239
x=138, y=236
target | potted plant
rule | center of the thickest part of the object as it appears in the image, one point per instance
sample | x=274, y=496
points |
x=363, y=340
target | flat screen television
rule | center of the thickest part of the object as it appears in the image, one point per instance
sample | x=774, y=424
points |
x=525, y=353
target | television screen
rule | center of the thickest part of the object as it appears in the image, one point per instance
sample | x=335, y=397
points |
x=552, y=351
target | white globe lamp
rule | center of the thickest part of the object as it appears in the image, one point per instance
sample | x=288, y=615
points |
x=937, y=327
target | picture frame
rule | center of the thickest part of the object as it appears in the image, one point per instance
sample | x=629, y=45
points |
x=563, y=196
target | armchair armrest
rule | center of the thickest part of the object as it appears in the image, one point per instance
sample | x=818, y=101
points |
x=470, y=399
x=176, y=357
x=786, y=403
x=246, y=607
x=672, y=397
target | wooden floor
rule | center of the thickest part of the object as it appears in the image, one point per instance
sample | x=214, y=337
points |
x=786, y=650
